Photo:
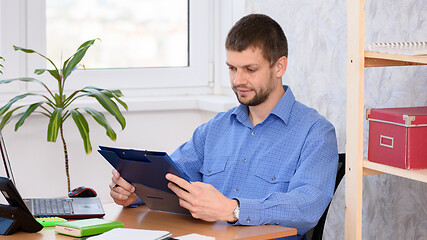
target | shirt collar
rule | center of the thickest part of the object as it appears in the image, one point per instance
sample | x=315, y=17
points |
x=282, y=109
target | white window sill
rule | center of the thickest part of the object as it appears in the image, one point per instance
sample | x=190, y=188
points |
x=211, y=103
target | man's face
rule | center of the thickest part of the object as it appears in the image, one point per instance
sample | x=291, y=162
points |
x=251, y=76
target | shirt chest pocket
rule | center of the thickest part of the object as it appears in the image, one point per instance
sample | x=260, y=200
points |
x=274, y=179
x=214, y=167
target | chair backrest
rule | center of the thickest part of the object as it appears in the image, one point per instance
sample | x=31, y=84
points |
x=317, y=232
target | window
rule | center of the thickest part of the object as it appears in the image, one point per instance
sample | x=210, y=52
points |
x=180, y=70
x=133, y=33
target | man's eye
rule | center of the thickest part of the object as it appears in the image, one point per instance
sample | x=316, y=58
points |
x=231, y=68
x=251, y=70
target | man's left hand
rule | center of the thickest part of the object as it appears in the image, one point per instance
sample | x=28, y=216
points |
x=202, y=200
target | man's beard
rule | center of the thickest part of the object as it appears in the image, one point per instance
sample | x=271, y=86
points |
x=260, y=95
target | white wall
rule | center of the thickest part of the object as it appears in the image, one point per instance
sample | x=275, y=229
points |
x=393, y=208
x=38, y=166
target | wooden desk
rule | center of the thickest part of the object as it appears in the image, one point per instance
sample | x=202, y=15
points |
x=141, y=217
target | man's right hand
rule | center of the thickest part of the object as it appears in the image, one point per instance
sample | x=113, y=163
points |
x=122, y=192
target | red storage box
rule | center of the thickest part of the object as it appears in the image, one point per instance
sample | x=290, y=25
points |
x=398, y=136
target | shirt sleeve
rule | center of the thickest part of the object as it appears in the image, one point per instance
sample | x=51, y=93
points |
x=310, y=189
x=189, y=156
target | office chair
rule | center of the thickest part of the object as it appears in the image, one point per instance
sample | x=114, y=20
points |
x=316, y=233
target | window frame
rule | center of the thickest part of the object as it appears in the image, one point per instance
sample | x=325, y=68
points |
x=11, y=32
x=193, y=79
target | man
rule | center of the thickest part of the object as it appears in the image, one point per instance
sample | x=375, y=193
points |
x=271, y=160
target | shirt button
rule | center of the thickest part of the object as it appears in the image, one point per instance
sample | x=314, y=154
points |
x=245, y=159
x=277, y=223
x=253, y=133
x=236, y=189
x=273, y=178
x=209, y=170
x=248, y=220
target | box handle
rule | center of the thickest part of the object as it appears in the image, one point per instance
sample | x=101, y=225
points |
x=386, y=141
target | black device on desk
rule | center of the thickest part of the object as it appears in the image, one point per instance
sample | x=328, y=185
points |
x=15, y=216
x=146, y=171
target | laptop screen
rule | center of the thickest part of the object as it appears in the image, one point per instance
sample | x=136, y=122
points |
x=5, y=159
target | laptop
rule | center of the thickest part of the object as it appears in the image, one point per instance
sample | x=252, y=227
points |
x=83, y=207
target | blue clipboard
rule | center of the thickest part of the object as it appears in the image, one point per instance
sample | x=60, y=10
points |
x=146, y=171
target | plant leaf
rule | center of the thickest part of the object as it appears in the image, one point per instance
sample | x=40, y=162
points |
x=13, y=100
x=111, y=94
x=54, y=124
x=23, y=49
x=83, y=127
x=22, y=80
x=54, y=73
x=100, y=118
x=121, y=102
x=107, y=92
x=57, y=99
x=110, y=106
x=71, y=63
x=117, y=92
x=40, y=71
x=6, y=118
x=115, y=96
x=32, y=51
x=27, y=80
x=1, y=65
x=27, y=113
x=70, y=99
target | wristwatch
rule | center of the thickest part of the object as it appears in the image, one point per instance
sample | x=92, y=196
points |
x=236, y=211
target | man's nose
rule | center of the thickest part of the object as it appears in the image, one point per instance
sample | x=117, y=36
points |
x=239, y=78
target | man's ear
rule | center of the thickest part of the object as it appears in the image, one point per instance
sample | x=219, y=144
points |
x=281, y=65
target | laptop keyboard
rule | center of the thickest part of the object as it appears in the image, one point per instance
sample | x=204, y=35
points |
x=51, y=207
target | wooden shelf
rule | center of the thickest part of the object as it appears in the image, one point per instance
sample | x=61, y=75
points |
x=377, y=168
x=357, y=60
x=376, y=59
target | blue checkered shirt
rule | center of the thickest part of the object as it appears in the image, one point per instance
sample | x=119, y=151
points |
x=282, y=170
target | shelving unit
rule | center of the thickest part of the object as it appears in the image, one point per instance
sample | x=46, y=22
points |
x=375, y=59
x=356, y=166
x=370, y=168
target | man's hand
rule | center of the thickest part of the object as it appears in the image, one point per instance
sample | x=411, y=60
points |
x=202, y=200
x=122, y=192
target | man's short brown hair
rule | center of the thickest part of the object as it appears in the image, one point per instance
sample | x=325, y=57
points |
x=258, y=31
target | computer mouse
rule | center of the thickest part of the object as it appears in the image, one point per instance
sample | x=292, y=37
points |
x=82, y=192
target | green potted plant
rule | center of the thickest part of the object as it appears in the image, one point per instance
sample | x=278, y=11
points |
x=1, y=66
x=57, y=105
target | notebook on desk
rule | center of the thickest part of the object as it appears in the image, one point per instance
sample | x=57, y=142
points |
x=60, y=207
